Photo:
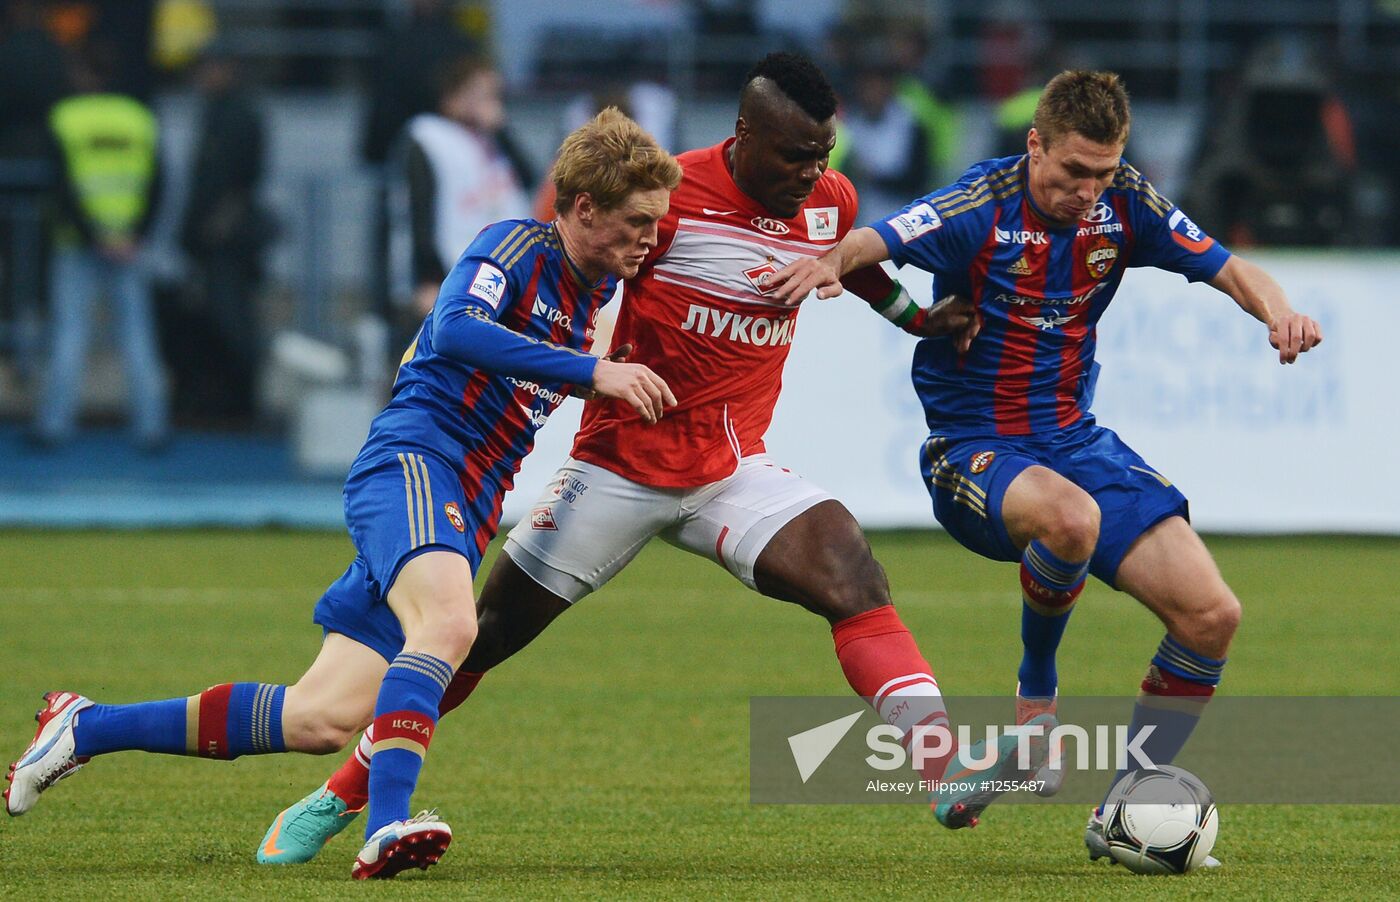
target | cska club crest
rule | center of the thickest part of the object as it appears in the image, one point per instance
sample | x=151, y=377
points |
x=454, y=516
x=1103, y=253
x=981, y=461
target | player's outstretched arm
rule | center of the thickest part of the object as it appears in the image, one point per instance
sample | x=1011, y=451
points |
x=954, y=317
x=860, y=247
x=1257, y=293
x=634, y=383
x=588, y=394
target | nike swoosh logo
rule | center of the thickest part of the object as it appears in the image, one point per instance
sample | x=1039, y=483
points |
x=270, y=847
x=708, y=212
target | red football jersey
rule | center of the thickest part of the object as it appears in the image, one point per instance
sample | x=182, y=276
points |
x=698, y=314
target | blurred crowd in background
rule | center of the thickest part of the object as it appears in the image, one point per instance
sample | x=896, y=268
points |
x=199, y=195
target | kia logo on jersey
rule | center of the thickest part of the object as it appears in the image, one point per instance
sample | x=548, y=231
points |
x=771, y=226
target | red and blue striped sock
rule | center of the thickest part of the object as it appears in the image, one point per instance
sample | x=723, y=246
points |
x=224, y=721
x=404, y=719
x=1174, y=694
x=351, y=782
x=1049, y=588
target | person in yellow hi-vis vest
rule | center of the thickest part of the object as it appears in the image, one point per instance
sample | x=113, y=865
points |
x=107, y=148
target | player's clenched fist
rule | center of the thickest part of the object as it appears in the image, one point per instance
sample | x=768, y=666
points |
x=1294, y=334
x=646, y=392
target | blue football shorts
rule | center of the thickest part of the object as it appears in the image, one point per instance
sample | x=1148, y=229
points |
x=396, y=508
x=967, y=477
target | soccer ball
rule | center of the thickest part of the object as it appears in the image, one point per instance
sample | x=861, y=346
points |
x=1160, y=821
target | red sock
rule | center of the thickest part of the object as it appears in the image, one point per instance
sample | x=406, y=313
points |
x=351, y=782
x=884, y=666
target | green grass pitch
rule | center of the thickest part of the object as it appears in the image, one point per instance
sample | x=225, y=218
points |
x=610, y=758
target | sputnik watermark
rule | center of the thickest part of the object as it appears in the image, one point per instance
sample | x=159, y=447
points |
x=944, y=787
x=888, y=750
x=831, y=750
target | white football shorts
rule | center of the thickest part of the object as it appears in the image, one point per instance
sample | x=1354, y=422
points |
x=591, y=522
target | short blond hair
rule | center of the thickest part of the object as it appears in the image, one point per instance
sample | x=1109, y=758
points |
x=1094, y=104
x=608, y=159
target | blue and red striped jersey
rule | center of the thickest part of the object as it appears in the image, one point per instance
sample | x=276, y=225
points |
x=503, y=346
x=1039, y=290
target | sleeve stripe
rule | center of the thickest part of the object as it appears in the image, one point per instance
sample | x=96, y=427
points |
x=994, y=183
x=500, y=248
x=972, y=205
x=477, y=313
x=508, y=256
x=1129, y=178
x=519, y=253
x=996, y=187
x=998, y=193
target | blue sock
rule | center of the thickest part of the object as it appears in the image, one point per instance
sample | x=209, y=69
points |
x=1174, y=693
x=1049, y=587
x=404, y=719
x=224, y=721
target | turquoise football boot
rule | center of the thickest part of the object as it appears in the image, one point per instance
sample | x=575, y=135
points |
x=967, y=789
x=303, y=829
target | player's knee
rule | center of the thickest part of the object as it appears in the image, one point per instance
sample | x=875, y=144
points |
x=319, y=733
x=1210, y=628
x=1072, y=529
x=328, y=739
x=859, y=586
x=440, y=625
x=1222, y=618
x=453, y=634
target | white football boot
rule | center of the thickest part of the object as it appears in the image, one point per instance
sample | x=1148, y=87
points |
x=415, y=843
x=49, y=757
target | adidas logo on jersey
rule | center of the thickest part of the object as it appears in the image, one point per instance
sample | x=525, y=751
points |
x=1020, y=267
